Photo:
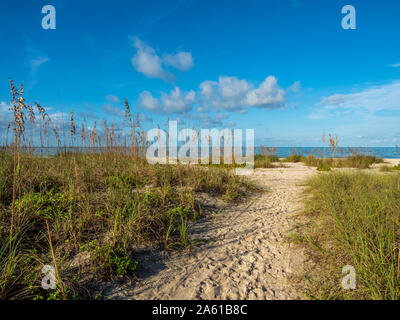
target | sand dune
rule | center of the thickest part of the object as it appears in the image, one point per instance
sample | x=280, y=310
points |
x=245, y=256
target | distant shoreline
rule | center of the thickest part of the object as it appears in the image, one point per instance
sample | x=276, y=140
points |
x=281, y=152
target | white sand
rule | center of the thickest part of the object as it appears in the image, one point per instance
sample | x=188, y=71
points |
x=247, y=255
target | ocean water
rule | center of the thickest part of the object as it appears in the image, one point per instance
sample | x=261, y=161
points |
x=381, y=152
x=281, y=152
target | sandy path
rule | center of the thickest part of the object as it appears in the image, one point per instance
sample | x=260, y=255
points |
x=246, y=257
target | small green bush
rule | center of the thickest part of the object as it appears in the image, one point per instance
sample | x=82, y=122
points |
x=294, y=158
x=396, y=167
x=178, y=218
x=323, y=167
x=48, y=206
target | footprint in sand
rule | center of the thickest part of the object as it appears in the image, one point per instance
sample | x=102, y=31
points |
x=249, y=257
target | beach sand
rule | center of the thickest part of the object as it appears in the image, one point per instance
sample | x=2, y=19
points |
x=245, y=253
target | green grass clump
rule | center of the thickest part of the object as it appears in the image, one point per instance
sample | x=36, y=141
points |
x=396, y=167
x=114, y=202
x=354, y=161
x=266, y=161
x=360, y=161
x=294, y=158
x=323, y=167
x=385, y=169
x=356, y=222
x=86, y=209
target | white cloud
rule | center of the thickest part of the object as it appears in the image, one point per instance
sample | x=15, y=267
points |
x=174, y=102
x=226, y=94
x=233, y=94
x=147, y=61
x=182, y=61
x=59, y=117
x=112, y=98
x=148, y=102
x=177, y=101
x=376, y=98
x=200, y=110
x=4, y=107
x=268, y=95
x=5, y=117
x=295, y=87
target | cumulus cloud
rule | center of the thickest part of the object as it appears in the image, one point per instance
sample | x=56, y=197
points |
x=373, y=99
x=182, y=61
x=268, y=95
x=177, y=102
x=233, y=94
x=226, y=94
x=147, y=101
x=174, y=102
x=148, y=62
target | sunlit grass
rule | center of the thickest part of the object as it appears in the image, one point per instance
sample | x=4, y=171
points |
x=355, y=222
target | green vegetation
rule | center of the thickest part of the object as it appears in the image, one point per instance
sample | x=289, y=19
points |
x=385, y=168
x=267, y=161
x=95, y=203
x=294, y=158
x=355, y=221
x=323, y=167
x=353, y=161
x=85, y=212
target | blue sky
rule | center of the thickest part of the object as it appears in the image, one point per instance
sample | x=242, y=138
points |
x=286, y=68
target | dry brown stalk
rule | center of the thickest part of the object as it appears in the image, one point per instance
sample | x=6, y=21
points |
x=54, y=262
x=334, y=144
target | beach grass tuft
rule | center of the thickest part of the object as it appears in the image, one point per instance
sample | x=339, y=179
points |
x=355, y=221
x=86, y=209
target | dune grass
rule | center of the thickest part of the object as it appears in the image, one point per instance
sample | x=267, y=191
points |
x=86, y=209
x=355, y=222
x=353, y=161
x=267, y=161
x=103, y=204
